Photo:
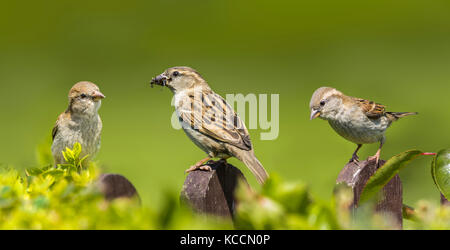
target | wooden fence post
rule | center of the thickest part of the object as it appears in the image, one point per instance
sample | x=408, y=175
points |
x=115, y=186
x=212, y=192
x=444, y=202
x=390, y=202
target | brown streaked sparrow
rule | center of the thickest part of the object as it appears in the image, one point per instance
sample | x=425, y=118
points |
x=79, y=123
x=357, y=120
x=209, y=121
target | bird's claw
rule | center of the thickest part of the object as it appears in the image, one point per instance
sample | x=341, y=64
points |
x=205, y=168
x=354, y=159
x=375, y=158
x=201, y=167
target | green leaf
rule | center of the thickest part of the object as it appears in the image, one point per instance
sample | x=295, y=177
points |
x=440, y=171
x=64, y=166
x=76, y=150
x=68, y=155
x=33, y=171
x=84, y=158
x=54, y=173
x=65, y=155
x=293, y=196
x=37, y=171
x=386, y=172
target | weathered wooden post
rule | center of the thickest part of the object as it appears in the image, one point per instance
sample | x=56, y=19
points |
x=115, y=186
x=212, y=192
x=390, y=201
x=444, y=202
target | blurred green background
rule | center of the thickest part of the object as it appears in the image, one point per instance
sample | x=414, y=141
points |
x=394, y=52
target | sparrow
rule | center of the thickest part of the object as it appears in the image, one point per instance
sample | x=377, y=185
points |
x=357, y=120
x=209, y=121
x=79, y=123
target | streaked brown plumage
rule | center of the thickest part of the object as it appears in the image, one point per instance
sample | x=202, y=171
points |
x=79, y=123
x=209, y=121
x=357, y=120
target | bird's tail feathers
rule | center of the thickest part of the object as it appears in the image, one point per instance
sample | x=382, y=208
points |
x=250, y=160
x=398, y=115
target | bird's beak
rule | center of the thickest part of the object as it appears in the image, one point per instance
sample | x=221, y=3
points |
x=314, y=114
x=98, y=96
x=159, y=80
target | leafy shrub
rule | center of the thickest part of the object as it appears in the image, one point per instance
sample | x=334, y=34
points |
x=67, y=197
x=283, y=205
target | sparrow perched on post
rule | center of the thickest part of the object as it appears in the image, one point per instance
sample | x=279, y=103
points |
x=79, y=123
x=357, y=120
x=209, y=121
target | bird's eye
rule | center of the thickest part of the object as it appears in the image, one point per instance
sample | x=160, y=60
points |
x=176, y=73
x=83, y=95
x=322, y=103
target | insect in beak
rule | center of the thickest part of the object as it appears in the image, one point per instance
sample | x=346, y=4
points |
x=159, y=80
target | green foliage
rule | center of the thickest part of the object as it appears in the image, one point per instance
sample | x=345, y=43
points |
x=72, y=157
x=282, y=205
x=386, y=172
x=344, y=44
x=67, y=197
x=429, y=216
x=440, y=171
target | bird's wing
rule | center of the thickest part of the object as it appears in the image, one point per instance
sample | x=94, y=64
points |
x=61, y=117
x=211, y=115
x=54, y=131
x=371, y=109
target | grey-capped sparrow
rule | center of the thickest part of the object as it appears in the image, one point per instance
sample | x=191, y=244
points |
x=357, y=120
x=209, y=121
x=79, y=123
